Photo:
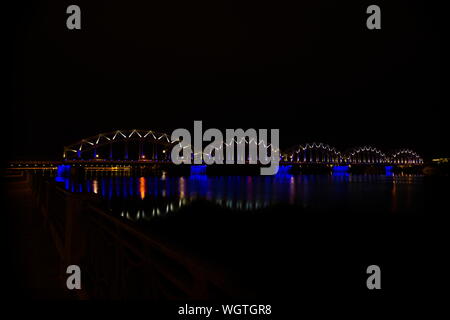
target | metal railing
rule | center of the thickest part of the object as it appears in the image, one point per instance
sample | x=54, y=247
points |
x=117, y=259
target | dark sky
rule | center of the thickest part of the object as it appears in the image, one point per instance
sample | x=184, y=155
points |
x=312, y=69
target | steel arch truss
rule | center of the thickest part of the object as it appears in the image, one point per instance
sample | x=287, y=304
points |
x=160, y=145
x=366, y=155
x=313, y=153
x=405, y=156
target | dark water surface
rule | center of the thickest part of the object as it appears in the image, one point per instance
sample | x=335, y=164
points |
x=144, y=197
x=272, y=235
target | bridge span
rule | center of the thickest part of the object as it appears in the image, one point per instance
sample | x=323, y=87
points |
x=147, y=148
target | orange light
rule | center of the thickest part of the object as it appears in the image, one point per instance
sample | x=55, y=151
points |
x=142, y=187
x=95, y=186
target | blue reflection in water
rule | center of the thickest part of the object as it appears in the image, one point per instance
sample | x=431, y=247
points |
x=159, y=195
x=103, y=187
x=340, y=174
x=110, y=188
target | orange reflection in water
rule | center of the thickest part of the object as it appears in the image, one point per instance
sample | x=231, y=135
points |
x=182, y=188
x=95, y=186
x=142, y=187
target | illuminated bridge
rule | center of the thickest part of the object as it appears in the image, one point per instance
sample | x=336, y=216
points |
x=122, y=145
x=320, y=153
x=148, y=147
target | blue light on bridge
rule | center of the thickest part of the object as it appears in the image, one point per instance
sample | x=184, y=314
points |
x=340, y=169
x=65, y=181
x=282, y=170
x=389, y=171
x=198, y=169
x=63, y=174
x=63, y=170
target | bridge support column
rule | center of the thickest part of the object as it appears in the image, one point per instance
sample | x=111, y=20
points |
x=110, y=151
x=126, y=151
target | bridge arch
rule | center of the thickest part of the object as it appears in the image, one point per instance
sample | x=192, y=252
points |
x=366, y=155
x=405, y=156
x=121, y=144
x=313, y=153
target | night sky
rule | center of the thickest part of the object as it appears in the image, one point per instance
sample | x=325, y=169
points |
x=312, y=69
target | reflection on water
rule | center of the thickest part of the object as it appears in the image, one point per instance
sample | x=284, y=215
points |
x=142, y=187
x=146, y=197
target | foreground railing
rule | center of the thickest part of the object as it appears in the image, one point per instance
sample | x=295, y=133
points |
x=116, y=259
